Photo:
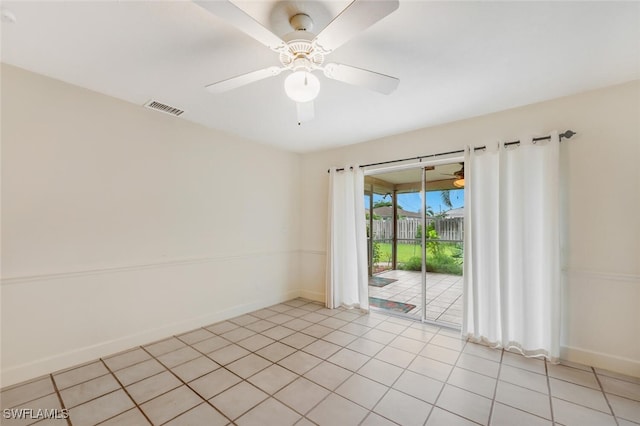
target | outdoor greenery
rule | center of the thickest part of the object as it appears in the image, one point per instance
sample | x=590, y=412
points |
x=445, y=196
x=377, y=252
x=445, y=258
x=442, y=257
x=383, y=203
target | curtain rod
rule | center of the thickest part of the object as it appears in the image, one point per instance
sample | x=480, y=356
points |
x=566, y=135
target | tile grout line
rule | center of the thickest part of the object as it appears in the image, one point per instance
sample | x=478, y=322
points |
x=113, y=372
x=123, y=368
x=581, y=403
x=125, y=391
x=384, y=346
x=83, y=381
x=434, y=298
x=156, y=358
x=497, y=378
x=18, y=385
x=390, y=387
x=451, y=304
x=445, y=384
x=57, y=391
x=242, y=357
x=615, y=418
x=546, y=373
x=97, y=397
x=301, y=349
x=353, y=372
x=495, y=389
x=382, y=318
x=214, y=334
x=187, y=385
x=272, y=363
x=437, y=332
x=170, y=370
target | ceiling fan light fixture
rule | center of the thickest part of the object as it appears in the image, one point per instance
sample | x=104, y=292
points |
x=302, y=86
x=459, y=183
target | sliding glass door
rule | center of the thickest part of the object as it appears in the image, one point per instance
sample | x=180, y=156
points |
x=414, y=234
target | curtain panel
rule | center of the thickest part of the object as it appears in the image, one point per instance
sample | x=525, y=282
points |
x=347, y=278
x=512, y=247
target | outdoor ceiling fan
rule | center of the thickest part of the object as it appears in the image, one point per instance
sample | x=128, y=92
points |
x=302, y=52
x=459, y=175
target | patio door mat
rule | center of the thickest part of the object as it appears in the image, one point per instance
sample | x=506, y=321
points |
x=390, y=305
x=380, y=281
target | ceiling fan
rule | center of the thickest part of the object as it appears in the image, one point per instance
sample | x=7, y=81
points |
x=459, y=175
x=302, y=52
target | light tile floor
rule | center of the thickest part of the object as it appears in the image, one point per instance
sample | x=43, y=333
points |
x=299, y=363
x=443, y=295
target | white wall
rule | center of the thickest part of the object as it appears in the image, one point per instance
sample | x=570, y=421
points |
x=121, y=225
x=602, y=295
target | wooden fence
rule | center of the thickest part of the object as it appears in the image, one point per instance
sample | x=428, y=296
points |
x=447, y=228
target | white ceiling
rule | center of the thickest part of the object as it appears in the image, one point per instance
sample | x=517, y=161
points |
x=454, y=60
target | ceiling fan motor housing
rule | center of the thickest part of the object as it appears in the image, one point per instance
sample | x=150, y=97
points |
x=301, y=22
x=300, y=52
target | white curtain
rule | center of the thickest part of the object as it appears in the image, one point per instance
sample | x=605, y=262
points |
x=347, y=278
x=512, y=247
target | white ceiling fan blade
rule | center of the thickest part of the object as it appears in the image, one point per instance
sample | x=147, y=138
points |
x=305, y=111
x=237, y=17
x=241, y=80
x=357, y=76
x=357, y=17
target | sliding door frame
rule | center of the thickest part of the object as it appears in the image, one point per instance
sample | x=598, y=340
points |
x=423, y=214
x=423, y=242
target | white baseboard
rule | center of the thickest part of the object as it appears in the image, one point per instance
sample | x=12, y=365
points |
x=61, y=361
x=316, y=296
x=604, y=361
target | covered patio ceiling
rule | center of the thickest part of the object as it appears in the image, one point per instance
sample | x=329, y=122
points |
x=409, y=180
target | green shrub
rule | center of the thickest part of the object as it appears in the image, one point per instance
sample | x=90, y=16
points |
x=442, y=264
x=444, y=268
x=377, y=252
x=413, y=264
x=433, y=247
x=457, y=253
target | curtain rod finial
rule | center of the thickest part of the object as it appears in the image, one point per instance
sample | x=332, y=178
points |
x=567, y=134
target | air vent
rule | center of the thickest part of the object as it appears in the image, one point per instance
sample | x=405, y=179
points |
x=159, y=106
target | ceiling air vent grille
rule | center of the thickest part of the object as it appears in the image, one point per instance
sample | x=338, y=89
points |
x=159, y=106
